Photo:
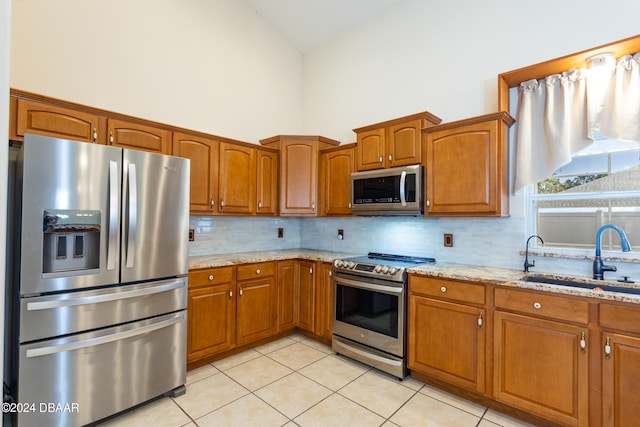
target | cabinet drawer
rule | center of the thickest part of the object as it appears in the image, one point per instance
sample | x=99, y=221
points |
x=539, y=304
x=620, y=317
x=254, y=271
x=449, y=289
x=210, y=276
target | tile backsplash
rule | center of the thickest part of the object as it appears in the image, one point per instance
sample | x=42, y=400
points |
x=495, y=242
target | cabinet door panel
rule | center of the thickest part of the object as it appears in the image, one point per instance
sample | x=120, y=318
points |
x=371, y=153
x=256, y=310
x=203, y=154
x=136, y=136
x=237, y=179
x=539, y=368
x=337, y=167
x=267, y=183
x=620, y=378
x=211, y=319
x=49, y=120
x=324, y=301
x=299, y=177
x=447, y=342
x=287, y=294
x=306, y=295
x=405, y=142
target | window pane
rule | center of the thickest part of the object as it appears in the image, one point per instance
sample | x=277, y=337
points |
x=574, y=223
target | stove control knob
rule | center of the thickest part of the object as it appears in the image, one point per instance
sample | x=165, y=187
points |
x=352, y=264
x=378, y=269
x=393, y=270
x=336, y=263
x=385, y=270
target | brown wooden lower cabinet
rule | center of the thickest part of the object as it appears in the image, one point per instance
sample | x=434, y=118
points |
x=211, y=312
x=325, y=295
x=539, y=367
x=229, y=307
x=287, y=295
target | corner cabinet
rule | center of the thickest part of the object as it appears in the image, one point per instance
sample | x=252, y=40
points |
x=445, y=317
x=467, y=167
x=541, y=357
x=299, y=172
x=392, y=143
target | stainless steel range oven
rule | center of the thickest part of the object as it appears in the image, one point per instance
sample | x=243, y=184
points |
x=370, y=309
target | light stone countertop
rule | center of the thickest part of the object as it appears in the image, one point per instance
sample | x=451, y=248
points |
x=514, y=278
x=473, y=273
x=221, y=260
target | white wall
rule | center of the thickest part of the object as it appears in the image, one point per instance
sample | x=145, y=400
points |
x=212, y=66
x=444, y=56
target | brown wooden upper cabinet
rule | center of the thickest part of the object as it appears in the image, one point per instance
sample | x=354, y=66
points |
x=266, y=182
x=392, y=143
x=42, y=118
x=336, y=166
x=299, y=172
x=466, y=170
x=137, y=136
x=203, y=153
x=237, y=179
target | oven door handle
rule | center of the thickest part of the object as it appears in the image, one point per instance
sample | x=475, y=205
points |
x=370, y=286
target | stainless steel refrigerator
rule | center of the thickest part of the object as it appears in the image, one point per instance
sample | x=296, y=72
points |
x=99, y=288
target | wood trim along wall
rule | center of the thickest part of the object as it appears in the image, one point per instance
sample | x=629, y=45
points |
x=514, y=78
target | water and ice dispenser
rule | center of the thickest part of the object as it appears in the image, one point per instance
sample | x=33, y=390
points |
x=71, y=242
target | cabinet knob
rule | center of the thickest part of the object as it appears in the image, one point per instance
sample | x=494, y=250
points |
x=221, y=204
x=259, y=205
x=583, y=342
x=380, y=160
x=111, y=138
x=212, y=202
x=443, y=289
x=313, y=206
x=607, y=348
x=331, y=274
x=240, y=291
x=390, y=157
x=258, y=271
x=349, y=205
x=95, y=134
x=311, y=271
x=230, y=294
x=537, y=305
x=480, y=320
x=211, y=277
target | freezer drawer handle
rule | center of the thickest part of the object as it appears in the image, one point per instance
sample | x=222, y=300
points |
x=113, y=215
x=95, y=299
x=133, y=208
x=45, y=351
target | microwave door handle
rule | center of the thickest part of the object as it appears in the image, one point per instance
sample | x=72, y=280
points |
x=403, y=180
x=132, y=218
x=113, y=215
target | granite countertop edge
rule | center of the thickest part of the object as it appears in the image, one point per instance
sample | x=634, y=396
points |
x=515, y=279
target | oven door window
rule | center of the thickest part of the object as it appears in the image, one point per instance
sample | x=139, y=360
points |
x=375, y=311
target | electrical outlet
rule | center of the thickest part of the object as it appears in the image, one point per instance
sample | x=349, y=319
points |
x=280, y=233
x=448, y=240
x=192, y=235
x=340, y=234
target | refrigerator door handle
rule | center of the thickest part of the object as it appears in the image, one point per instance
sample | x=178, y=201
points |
x=133, y=214
x=91, y=342
x=113, y=216
x=96, y=299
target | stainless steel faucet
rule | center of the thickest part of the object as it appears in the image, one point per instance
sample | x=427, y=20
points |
x=598, y=266
x=528, y=264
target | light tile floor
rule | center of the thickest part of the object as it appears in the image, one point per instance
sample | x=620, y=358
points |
x=296, y=381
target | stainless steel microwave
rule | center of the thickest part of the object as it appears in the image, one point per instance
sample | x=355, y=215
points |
x=394, y=191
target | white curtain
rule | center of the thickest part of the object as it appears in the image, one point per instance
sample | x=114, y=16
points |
x=563, y=113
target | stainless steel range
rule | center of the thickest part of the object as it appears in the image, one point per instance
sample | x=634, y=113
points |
x=370, y=309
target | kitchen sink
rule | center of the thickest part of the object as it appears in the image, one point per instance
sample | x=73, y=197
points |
x=592, y=285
